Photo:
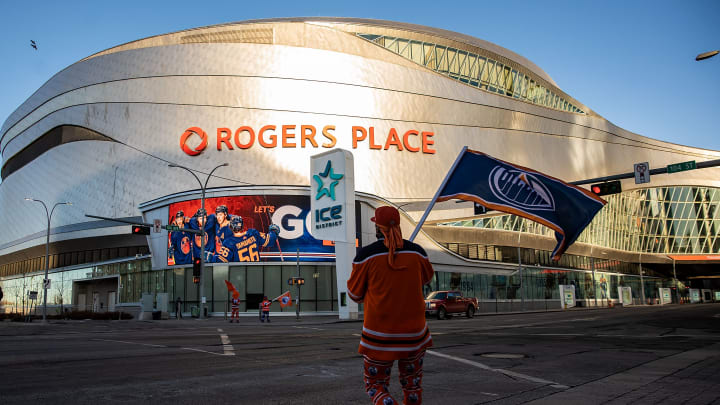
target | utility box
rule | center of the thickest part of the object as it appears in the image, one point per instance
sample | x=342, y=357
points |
x=694, y=295
x=567, y=296
x=665, y=296
x=625, y=295
x=162, y=304
x=146, y=306
x=707, y=295
x=146, y=302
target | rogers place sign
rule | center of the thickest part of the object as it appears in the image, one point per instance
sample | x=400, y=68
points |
x=307, y=136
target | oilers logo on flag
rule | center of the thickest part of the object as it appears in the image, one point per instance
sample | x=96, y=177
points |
x=520, y=189
x=506, y=187
x=285, y=300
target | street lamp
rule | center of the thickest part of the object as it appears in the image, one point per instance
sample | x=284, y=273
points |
x=706, y=55
x=202, y=232
x=47, y=250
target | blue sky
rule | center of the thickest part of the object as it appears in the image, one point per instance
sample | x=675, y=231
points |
x=633, y=62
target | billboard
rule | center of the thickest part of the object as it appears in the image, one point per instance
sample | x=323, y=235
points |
x=253, y=228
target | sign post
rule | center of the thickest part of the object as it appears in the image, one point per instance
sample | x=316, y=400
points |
x=332, y=209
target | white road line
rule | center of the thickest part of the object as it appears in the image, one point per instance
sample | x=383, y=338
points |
x=204, y=351
x=228, y=349
x=130, y=343
x=556, y=334
x=356, y=334
x=499, y=370
x=220, y=330
x=306, y=327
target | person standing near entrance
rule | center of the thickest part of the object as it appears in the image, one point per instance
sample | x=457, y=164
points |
x=235, y=307
x=388, y=277
x=178, y=308
x=265, y=309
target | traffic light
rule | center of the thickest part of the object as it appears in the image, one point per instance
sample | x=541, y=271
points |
x=196, y=267
x=609, y=187
x=296, y=280
x=140, y=230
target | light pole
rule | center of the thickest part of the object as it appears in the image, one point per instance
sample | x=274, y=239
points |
x=706, y=55
x=202, y=232
x=47, y=250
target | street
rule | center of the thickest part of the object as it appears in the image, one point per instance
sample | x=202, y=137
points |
x=647, y=354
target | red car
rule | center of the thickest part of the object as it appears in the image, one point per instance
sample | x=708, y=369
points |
x=442, y=303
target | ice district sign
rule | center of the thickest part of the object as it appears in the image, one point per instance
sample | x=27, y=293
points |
x=332, y=196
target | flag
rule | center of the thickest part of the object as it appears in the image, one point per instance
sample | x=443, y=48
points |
x=285, y=300
x=506, y=187
x=231, y=288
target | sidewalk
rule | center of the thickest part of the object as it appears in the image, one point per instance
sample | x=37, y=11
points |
x=689, y=377
x=254, y=319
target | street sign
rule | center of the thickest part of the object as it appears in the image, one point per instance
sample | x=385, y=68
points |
x=32, y=295
x=172, y=227
x=642, y=172
x=157, y=226
x=681, y=167
x=46, y=283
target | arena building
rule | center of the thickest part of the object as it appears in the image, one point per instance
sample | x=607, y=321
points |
x=264, y=96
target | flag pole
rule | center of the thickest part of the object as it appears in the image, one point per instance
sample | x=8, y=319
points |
x=437, y=194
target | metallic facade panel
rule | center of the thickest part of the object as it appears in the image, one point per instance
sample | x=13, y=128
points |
x=146, y=98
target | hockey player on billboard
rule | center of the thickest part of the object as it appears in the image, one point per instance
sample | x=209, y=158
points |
x=181, y=242
x=245, y=246
x=208, y=224
x=223, y=229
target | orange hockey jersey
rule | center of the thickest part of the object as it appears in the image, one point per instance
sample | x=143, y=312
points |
x=394, y=325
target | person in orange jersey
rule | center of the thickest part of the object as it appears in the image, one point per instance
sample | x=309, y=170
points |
x=235, y=307
x=265, y=309
x=387, y=277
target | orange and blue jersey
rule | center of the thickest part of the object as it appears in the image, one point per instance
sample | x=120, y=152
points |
x=265, y=306
x=244, y=248
x=210, y=225
x=394, y=325
x=181, y=243
x=222, y=233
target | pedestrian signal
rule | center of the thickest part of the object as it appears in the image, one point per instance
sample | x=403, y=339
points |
x=140, y=230
x=610, y=187
x=196, y=267
x=196, y=280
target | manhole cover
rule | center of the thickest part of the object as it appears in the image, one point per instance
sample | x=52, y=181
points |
x=502, y=355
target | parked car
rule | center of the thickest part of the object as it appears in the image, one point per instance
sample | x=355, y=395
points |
x=443, y=303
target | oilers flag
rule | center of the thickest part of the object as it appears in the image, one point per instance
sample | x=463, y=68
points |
x=506, y=187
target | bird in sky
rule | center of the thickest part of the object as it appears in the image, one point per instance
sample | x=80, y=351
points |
x=33, y=44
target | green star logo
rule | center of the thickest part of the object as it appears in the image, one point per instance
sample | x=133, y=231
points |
x=327, y=174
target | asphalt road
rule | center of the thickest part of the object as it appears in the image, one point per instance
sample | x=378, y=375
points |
x=622, y=355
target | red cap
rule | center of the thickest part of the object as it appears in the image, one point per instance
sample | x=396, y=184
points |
x=386, y=216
